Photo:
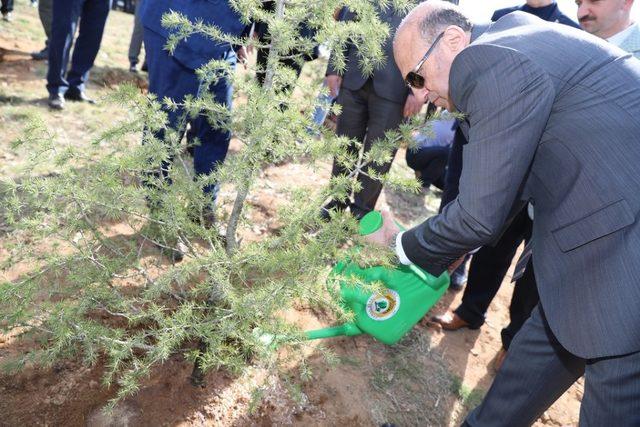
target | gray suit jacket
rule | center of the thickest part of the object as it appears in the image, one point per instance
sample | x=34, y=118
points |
x=388, y=83
x=553, y=117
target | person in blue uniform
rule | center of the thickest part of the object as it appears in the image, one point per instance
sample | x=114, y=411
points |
x=92, y=16
x=543, y=9
x=174, y=76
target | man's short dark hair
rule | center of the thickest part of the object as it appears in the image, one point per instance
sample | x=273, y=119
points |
x=440, y=18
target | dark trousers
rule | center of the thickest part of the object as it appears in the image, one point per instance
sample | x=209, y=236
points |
x=487, y=271
x=93, y=16
x=169, y=78
x=136, y=36
x=45, y=12
x=261, y=61
x=431, y=162
x=538, y=369
x=365, y=117
x=6, y=6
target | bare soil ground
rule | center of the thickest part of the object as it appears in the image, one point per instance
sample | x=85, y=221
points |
x=430, y=378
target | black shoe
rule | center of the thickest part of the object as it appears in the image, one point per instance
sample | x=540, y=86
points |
x=144, y=67
x=43, y=55
x=56, y=102
x=325, y=211
x=78, y=96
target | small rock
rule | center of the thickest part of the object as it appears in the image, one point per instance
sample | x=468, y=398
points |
x=93, y=384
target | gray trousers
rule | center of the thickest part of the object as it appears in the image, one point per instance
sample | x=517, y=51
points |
x=538, y=370
x=366, y=117
x=45, y=11
x=136, y=37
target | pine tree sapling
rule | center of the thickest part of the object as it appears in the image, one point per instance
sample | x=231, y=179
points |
x=97, y=287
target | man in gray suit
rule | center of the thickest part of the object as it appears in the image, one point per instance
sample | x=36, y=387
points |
x=371, y=105
x=552, y=117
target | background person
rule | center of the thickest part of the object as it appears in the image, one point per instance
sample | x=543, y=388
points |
x=45, y=12
x=611, y=20
x=92, y=17
x=174, y=76
x=370, y=107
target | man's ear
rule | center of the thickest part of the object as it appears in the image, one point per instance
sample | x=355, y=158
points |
x=455, y=38
x=628, y=4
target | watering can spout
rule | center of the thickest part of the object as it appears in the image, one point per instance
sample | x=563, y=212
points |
x=348, y=329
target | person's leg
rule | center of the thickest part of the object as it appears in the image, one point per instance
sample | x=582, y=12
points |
x=136, y=37
x=612, y=392
x=214, y=143
x=45, y=12
x=92, y=22
x=384, y=115
x=64, y=20
x=168, y=78
x=535, y=373
x=352, y=123
x=430, y=162
x=487, y=271
x=7, y=7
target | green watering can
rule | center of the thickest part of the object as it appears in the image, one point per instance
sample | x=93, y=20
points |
x=387, y=315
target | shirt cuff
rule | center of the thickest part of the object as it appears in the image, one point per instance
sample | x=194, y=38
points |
x=402, y=257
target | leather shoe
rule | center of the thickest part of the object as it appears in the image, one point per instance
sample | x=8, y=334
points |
x=42, y=55
x=56, y=101
x=78, y=96
x=450, y=321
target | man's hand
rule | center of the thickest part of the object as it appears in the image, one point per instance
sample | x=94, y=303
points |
x=385, y=236
x=242, y=55
x=333, y=81
x=455, y=264
x=412, y=106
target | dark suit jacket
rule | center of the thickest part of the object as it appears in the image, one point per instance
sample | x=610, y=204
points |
x=549, y=13
x=387, y=80
x=197, y=50
x=553, y=118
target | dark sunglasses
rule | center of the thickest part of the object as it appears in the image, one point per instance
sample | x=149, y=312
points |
x=415, y=80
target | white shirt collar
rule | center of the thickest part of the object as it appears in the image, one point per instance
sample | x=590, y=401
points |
x=618, y=39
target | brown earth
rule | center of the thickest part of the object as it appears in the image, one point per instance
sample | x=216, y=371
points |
x=430, y=378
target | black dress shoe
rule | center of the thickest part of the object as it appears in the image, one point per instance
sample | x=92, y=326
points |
x=78, y=96
x=56, y=102
x=42, y=55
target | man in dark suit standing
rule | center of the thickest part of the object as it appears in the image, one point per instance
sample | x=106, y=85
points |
x=371, y=105
x=551, y=118
x=70, y=85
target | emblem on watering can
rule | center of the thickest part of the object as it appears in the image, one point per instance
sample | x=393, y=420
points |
x=383, y=305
